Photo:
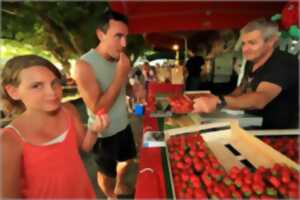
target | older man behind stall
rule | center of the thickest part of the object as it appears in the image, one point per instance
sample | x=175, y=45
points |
x=270, y=84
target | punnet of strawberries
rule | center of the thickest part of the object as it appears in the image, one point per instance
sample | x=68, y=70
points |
x=180, y=104
x=287, y=145
x=197, y=174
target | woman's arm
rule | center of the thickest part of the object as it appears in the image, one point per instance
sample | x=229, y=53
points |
x=10, y=164
x=86, y=138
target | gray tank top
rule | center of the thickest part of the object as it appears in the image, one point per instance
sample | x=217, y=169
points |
x=104, y=72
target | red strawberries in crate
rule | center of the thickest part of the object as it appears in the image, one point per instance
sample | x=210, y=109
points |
x=197, y=174
x=287, y=145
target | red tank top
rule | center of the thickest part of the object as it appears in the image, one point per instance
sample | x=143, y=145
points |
x=55, y=170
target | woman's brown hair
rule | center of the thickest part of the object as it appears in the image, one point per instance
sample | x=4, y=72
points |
x=10, y=76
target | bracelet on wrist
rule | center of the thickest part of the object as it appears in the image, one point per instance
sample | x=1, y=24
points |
x=222, y=103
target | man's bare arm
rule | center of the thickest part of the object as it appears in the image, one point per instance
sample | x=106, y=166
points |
x=236, y=92
x=264, y=94
x=89, y=89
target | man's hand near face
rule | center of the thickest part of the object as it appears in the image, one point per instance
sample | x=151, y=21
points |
x=123, y=67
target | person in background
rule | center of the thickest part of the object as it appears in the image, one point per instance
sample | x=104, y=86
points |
x=40, y=157
x=145, y=72
x=152, y=74
x=270, y=85
x=194, y=67
x=101, y=76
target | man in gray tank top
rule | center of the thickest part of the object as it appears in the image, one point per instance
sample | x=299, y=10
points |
x=101, y=76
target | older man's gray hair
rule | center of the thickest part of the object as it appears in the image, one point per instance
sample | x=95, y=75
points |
x=267, y=28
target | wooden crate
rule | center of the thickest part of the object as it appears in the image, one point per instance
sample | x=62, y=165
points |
x=233, y=146
x=245, y=149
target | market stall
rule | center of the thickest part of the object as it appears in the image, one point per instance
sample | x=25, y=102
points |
x=183, y=156
x=229, y=151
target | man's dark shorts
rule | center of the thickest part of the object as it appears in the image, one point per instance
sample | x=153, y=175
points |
x=108, y=151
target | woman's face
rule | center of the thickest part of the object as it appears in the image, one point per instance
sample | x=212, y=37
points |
x=39, y=89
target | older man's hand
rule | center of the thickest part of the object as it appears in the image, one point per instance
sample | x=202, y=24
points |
x=206, y=103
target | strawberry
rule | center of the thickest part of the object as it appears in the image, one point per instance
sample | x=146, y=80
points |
x=257, y=177
x=234, y=172
x=176, y=157
x=201, y=154
x=261, y=169
x=188, y=160
x=247, y=179
x=274, y=181
x=184, y=177
x=217, y=174
x=206, y=180
x=294, y=194
x=275, y=169
x=258, y=188
x=101, y=111
x=180, y=165
x=253, y=197
x=198, y=167
x=195, y=181
x=293, y=185
x=283, y=191
x=285, y=176
x=271, y=192
x=237, y=195
x=245, y=171
x=227, y=181
x=266, y=197
x=246, y=190
x=238, y=182
x=200, y=194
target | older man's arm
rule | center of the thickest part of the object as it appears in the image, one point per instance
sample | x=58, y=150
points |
x=264, y=94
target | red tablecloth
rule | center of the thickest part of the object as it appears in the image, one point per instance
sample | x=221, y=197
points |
x=149, y=123
x=150, y=180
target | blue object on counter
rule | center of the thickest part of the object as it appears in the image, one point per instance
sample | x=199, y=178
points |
x=138, y=109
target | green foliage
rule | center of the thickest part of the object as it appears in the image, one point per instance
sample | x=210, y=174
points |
x=62, y=29
x=11, y=48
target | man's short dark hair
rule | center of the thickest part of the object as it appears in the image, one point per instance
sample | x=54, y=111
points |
x=108, y=15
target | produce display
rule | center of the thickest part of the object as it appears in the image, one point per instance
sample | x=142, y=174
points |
x=287, y=145
x=151, y=105
x=197, y=174
x=180, y=104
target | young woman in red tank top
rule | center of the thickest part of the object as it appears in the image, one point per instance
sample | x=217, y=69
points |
x=40, y=157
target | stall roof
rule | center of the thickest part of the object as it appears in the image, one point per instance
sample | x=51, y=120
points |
x=166, y=16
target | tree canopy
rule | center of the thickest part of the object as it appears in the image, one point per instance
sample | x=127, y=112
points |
x=63, y=30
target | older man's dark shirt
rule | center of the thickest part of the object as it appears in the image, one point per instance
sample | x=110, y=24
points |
x=281, y=69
